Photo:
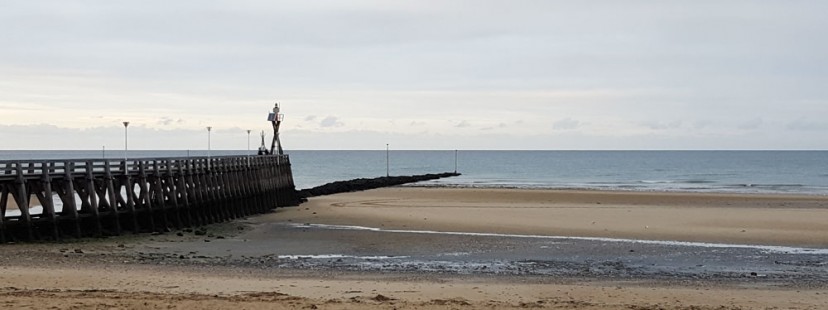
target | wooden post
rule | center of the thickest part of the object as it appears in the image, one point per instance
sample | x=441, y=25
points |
x=113, y=201
x=47, y=202
x=158, y=193
x=21, y=197
x=129, y=190
x=171, y=194
x=70, y=207
x=146, y=197
x=4, y=200
x=183, y=191
x=92, y=196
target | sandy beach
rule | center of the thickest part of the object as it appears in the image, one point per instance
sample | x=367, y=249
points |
x=388, y=249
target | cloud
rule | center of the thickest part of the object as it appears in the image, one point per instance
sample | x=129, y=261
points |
x=463, y=124
x=310, y=118
x=662, y=125
x=330, y=121
x=807, y=125
x=752, y=124
x=702, y=124
x=566, y=124
x=167, y=121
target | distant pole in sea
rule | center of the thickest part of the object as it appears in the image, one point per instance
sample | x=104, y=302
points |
x=387, y=160
x=126, y=141
x=455, y=161
x=103, y=152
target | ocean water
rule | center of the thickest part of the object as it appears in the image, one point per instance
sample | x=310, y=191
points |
x=790, y=172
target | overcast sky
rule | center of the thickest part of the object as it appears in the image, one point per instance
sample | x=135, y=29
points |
x=416, y=74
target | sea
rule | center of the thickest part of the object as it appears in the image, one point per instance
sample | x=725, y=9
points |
x=771, y=172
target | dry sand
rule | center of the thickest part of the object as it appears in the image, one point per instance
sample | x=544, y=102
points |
x=151, y=288
x=39, y=277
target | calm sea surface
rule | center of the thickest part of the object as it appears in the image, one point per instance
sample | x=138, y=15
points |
x=799, y=172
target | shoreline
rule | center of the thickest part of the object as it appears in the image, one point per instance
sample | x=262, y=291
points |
x=700, y=191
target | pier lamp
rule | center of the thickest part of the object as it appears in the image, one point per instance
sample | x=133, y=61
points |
x=209, y=130
x=126, y=141
x=248, y=147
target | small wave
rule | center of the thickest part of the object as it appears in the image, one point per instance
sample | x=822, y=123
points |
x=698, y=181
x=692, y=181
x=770, y=186
x=643, y=187
x=656, y=181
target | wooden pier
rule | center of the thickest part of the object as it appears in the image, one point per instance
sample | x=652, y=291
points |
x=54, y=199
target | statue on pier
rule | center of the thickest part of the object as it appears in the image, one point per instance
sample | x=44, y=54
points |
x=263, y=149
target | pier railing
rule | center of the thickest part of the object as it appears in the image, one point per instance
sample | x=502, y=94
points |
x=51, y=199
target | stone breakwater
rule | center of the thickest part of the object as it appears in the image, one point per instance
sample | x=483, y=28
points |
x=366, y=184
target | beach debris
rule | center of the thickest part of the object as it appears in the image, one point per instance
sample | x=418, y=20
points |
x=78, y=251
x=381, y=298
x=447, y=302
x=200, y=232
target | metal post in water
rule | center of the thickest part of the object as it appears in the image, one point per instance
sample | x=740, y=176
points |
x=455, y=161
x=387, y=161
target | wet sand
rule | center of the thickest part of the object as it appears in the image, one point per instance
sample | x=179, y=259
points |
x=293, y=259
x=725, y=218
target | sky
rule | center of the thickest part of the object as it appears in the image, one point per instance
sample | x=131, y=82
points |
x=448, y=74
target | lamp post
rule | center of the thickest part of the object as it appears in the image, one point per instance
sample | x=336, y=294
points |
x=209, y=130
x=248, y=147
x=126, y=141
